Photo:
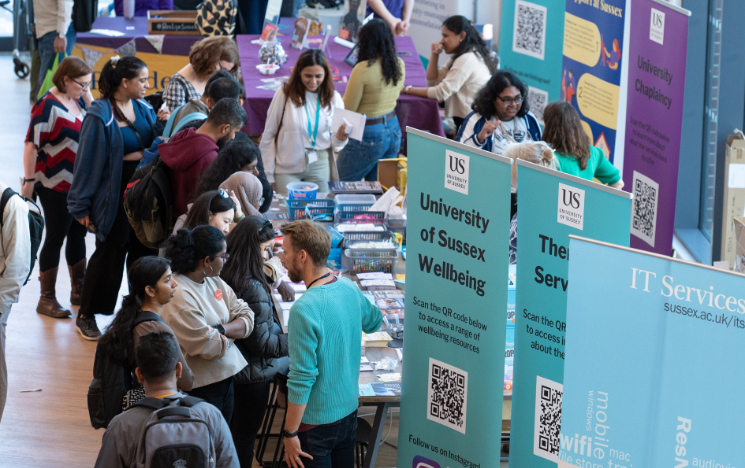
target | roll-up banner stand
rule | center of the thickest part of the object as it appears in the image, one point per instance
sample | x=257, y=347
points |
x=456, y=299
x=653, y=361
x=551, y=206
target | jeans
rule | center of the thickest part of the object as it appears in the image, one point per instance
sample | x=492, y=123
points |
x=46, y=51
x=330, y=445
x=318, y=173
x=220, y=394
x=60, y=225
x=4, y=313
x=359, y=159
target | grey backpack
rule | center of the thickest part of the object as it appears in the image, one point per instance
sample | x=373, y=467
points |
x=174, y=436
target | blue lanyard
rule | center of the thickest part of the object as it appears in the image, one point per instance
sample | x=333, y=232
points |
x=312, y=134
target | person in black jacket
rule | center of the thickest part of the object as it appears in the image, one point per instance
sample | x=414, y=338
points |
x=266, y=348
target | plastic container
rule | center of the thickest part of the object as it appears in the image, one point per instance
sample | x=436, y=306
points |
x=351, y=237
x=354, y=202
x=359, y=216
x=397, y=223
x=319, y=209
x=369, y=260
x=305, y=190
x=267, y=69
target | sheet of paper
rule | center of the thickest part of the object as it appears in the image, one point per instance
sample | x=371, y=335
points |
x=357, y=121
x=366, y=368
x=377, y=275
x=390, y=377
x=107, y=32
x=736, y=178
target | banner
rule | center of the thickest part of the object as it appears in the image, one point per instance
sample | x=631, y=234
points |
x=654, y=119
x=551, y=206
x=654, y=352
x=456, y=303
x=530, y=40
x=592, y=69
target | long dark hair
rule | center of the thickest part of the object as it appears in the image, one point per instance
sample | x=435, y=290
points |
x=375, y=42
x=212, y=202
x=231, y=158
x=111, y=78
x=563, y=131
x=472, y=42
x=483, y=103
x=295, y=89
x=244, y=246
x=117, y=341
x=187, y=247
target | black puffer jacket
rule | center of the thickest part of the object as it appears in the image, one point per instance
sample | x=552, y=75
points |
x=261, y=348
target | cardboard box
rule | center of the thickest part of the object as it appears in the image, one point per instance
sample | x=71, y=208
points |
x=173, y=23
x=388, y=173
x=734, y=195
x=739, y=244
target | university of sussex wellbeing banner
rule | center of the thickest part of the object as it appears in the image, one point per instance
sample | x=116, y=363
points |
x=653, y=374
x=456, y=294
x=654, y=119
x=551, y=206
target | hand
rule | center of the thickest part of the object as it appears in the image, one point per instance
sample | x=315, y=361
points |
x=274, y=187
x=341, y=134
x=85, y=221
x=402, y=28
x=28, y=190
x=488, y=129
x=395, y=25
x=164, y=114
x=238, y=212
x=293, y=452
x=60, y=45
x=286, y=291
x=436, y=48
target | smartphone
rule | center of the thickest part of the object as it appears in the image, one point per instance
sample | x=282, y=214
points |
x=91, y=228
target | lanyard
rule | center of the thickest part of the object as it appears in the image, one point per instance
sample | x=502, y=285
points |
x=319, y=278
x=312, y=134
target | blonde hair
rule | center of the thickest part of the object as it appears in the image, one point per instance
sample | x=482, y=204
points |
x=311, y=237
x=205, y=55
x=537, y=152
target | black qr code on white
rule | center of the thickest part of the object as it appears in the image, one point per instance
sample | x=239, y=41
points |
x=537, y=101
x=447, y=395
x=644, y=212
x=529, y=33
x=547, y=418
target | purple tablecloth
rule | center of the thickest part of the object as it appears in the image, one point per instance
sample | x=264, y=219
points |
x=412, y=111
x=135, y=28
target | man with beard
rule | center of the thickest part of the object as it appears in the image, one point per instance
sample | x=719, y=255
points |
x=324, y=335
x=190, y=151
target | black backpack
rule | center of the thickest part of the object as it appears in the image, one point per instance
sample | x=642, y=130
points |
x=148, y=203
x=35, y=225
x=110, y=382
x=84, y=13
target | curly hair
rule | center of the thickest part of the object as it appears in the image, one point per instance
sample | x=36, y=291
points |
x=483, y=103
x=187, y=247
x=231, y=159
x=244, y=244
x=472, y=42
x=375, y=42
x=205, y=56
x=563, y=131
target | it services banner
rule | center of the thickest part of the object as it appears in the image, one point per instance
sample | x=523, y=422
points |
x=530, y=42
x=593, y=66
x=654, y=120
x=654, y=357
x=551, y=206
x=456, y=302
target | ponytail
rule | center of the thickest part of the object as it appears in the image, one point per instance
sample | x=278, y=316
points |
x=112, y=74
x=187, y=247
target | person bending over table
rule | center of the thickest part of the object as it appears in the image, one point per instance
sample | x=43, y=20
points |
x=297, y=141
x=397, y=13
x=373, y=89
x=465, y=74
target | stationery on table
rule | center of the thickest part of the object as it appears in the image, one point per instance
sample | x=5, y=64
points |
x=299, y=37
x=381, y=389
x=107, y=32
x=375, y=276
x=376, y=340
x=378, y=285
x=349, y=118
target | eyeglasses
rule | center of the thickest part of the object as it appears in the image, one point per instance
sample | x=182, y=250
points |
x=82, y=85
x=224, y=257
x=509, y=101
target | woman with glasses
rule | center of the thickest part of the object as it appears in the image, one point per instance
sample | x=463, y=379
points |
x=48, y=161
x=501, y=116
x=206, y=315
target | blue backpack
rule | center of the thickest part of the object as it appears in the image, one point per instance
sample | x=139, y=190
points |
x=171, y=130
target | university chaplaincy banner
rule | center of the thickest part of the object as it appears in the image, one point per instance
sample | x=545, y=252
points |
x=551, y=206
x=653, y=374
x=456, y=299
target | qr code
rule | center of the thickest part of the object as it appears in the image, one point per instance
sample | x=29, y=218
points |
x=547, y=418
x=447, y=395
x=529, y=34
x=644, y=214
x=537, y=100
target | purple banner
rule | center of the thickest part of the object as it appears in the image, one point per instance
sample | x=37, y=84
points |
x=654, y=116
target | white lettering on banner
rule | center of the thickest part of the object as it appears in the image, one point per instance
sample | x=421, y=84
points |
x=657, y=27
x=456, y=171
x=571, y=206
x=681, y=439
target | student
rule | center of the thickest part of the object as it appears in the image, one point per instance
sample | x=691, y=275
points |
x=159, y=369
x=471, y=66
x=206, y=315
x=48, y=160
x=297, y=140
x=397, y=13
x=266, y=348
x=190, y=152
x=215, y=208
x=226, y=89
x=373, y=89
x=205, y=58
x=236, y=156
x=501, y=116
x=15, y=260
x=116, y=129
x=247, y=189
x=574, y=151
x=54, y=32
x=325, y=329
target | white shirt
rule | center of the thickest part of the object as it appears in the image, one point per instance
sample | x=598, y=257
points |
x=15, y=249
x=457, y=86
x=503, y=136
x=51, y=16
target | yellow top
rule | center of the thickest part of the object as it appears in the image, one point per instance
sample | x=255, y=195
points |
x=367, y=91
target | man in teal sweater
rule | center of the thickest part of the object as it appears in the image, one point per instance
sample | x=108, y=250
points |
x=324, y=335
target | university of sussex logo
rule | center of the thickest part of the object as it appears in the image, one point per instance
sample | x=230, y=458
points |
x=456, y=171
x=657, y=27
x=571, y=206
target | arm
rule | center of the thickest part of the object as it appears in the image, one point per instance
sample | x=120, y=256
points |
x=433, y=72
x=371, y=315
x=293, y=451
x=64, y=17
x=380, y=10
x=302, y=348
x=408, y=9
x=453, y=80
x=29, y=168
x=89, y=165
x=355, y=88
x=16, y=243
x=196, y=337
x=606, y=172
x=262, y=342
x=241, y=316
x=268, y=144
x=186, y=381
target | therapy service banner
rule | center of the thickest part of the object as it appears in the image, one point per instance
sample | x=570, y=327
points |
x=654, y=120
x=551, y=206
x=530, y=41
x=592, y=69
x=654, y=357
x=456, y=304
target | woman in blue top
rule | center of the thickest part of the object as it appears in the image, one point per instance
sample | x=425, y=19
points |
x=116, y=130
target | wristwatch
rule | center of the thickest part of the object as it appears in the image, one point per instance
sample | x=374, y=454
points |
x=220, y=328
x=407, y=89
x=288, y=434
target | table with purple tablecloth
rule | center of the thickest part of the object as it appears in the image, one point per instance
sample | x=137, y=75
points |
x=412, y=111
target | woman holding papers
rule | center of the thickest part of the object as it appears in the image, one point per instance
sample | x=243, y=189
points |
x=373, y=89
x=266, y=348
x=297, y=139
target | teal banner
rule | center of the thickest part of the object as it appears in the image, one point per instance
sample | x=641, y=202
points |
x=551, y=206
x=530, y=45
x=654, y=348
x=456, y=304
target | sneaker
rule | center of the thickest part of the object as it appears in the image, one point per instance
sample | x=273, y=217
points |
x=87, y=328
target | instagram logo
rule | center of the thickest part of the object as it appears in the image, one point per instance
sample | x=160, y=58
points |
x=421, y=462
